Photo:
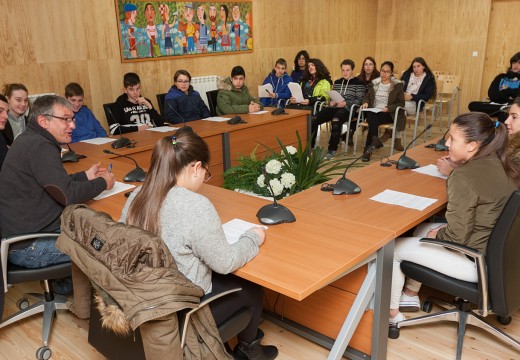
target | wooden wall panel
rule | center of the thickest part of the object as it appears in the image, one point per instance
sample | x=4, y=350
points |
x=47, y=44
x=444, y=32
x=503, y=40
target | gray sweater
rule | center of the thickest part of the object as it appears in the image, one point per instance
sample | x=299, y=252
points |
x=191, y=228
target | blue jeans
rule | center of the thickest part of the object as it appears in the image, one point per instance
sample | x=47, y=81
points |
x=41, y=253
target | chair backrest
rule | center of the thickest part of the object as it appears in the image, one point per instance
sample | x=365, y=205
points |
x=109, y=113
x=503, y=263
x=449, y=83
x=212, y=101
x=160, y=102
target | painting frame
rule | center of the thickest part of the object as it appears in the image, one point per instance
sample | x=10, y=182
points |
x=160, y=30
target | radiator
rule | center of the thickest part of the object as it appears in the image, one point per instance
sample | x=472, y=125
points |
x=203, y=84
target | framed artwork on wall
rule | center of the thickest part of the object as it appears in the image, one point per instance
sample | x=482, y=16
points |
x=151, y=30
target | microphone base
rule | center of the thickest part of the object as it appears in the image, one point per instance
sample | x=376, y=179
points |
x=274, y=214
x=69, y=157
x=121, y=142
x=346, y=186
x=405, y=162
x=441, y=145
x=136, y=175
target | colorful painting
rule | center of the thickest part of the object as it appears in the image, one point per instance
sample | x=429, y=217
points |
x=158, y=29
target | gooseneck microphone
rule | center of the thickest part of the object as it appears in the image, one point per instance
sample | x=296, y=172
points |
x=138, y=174
x=441, y=144
x=70, y=156
x=273, y=214
x=404, y=161
x=185, y=127
x=122, y=141
x=346, y=186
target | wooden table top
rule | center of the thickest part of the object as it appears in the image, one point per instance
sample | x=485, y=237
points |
x=374, y=179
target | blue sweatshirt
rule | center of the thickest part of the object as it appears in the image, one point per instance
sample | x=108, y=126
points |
x=179, y=106
x=279, y=87
x=87, y=126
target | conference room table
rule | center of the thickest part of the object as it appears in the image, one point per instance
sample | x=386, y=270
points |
x=226, y=142
x=332, y=236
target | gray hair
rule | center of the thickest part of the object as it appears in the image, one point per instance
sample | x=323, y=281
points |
x=45, y=105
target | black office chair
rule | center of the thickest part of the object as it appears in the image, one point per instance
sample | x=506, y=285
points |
x=212, y=101
x=130, y=347
x=49, y=302
x=496, y=292
x=109, y=114
x=160, y=102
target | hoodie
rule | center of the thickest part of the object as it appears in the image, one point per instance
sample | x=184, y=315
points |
x=279, y=88
x=504, y=88
x=180, y=107
x=128, y=116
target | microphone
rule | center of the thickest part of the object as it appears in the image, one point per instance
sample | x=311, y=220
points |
x=122, y=141
x=278, y=111
x=236, y=120
x=137, y=174
x=441, y=144
x=346, y=186
x=273, y=214
x=404, y=161
x=70, y=156
x=186, y=127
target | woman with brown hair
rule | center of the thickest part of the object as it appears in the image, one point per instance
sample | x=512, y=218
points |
x=168, y=205
x=18, y=98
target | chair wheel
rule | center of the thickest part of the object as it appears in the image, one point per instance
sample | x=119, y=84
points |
x=22, y=303
x=43, y=353
x=504, y=320
x=427, y=306
x=393, y=332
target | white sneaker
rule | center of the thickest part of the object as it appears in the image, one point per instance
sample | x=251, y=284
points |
x=409, y=303
x=398, y=318
x=329, y=155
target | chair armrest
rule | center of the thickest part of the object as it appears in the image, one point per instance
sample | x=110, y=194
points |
x=4, y=249
x=474, y=254
x=205, y=300
x=397, y=112
x=317, y=105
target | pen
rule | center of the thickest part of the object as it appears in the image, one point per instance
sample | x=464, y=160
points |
x=110, y=168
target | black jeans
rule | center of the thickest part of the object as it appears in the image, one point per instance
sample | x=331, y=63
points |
x=251, y=297
x=488, y=108
x=328, y=114
x=374, y=121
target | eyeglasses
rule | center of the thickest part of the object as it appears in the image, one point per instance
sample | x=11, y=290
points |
x=67, y=120
x=183, y=81
x=385, y=71
x=208, y=174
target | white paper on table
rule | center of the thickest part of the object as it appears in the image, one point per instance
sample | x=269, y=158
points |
x=431, y=170
x=403, y=199
x=99, y=140
x=335, y=96
x=163, y=129
x=259, y=112
x=264, y=90
x=118, y=187
x=374, y=110
x=216, y=118
x=296, y=91
x=236, y=227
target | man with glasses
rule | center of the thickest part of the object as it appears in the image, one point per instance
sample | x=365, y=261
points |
x=36, y=186
x=182, y=103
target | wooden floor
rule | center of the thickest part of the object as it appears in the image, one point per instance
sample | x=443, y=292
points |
x=69, y=336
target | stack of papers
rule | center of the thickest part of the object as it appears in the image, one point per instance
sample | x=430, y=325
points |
x=265, y=90
x=296, y=91
x=236, y=227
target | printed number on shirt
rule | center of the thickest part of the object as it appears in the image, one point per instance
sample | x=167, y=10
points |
x=141, y=119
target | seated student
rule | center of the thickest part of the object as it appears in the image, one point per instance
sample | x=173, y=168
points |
x=233, y=96
x=168, y=205
x=478, y=145
x=384, y=93
x=445, y=165
x=353, y=90
x=133, y=112
x=18, y=98
x=39, y=187
x=87, y=126
x=4, y=114
x=279, y=79
x=368, y=71
x=300, y=65
x=315, y=84
x=504, y=88
x=419, y=84
x=182, y=103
